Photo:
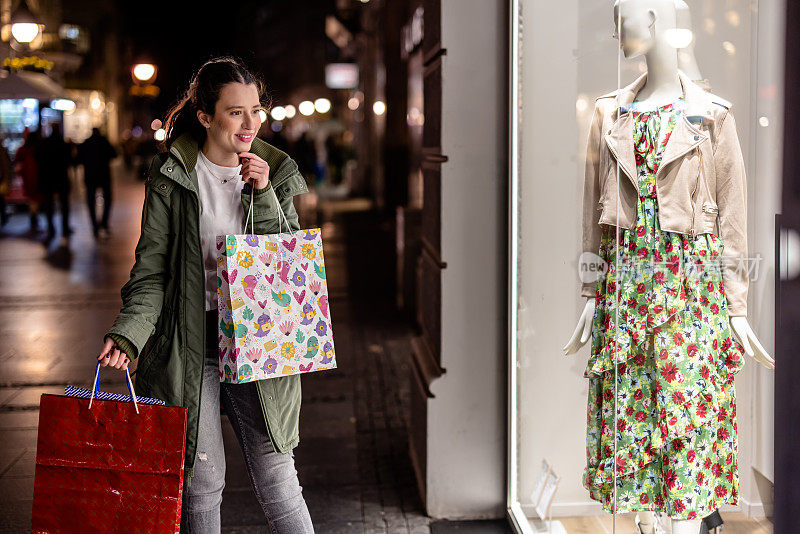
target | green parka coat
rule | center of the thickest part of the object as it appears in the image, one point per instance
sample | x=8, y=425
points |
x=162, y=320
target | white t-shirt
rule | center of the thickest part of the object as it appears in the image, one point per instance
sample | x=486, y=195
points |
x=220, y=213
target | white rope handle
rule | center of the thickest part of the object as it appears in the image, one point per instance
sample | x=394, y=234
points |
x=249, y=214
x=281, y=214
x=130, y=387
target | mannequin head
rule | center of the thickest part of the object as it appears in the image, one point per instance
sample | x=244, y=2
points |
x=642, y=24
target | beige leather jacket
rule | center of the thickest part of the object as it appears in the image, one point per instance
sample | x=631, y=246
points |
x=700, y=182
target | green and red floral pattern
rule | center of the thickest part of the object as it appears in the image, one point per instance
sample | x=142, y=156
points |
x=661, y=318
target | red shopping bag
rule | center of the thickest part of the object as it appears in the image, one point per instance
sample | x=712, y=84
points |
x=108, y=466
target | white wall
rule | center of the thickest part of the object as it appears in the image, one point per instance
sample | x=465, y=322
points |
x=466, y=419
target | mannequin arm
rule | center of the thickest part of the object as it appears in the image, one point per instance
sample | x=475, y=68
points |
x=582, y=331
x=752, y=346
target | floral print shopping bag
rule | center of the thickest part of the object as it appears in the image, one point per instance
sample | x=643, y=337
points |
x=274, y=318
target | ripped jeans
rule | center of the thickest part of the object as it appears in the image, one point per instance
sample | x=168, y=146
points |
x=272, y=475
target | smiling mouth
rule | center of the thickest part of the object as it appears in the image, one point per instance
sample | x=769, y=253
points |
x=244, y=137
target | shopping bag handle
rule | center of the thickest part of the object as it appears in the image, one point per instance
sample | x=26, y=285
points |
x=95, y=388
x=281, y=214
x=249, y=214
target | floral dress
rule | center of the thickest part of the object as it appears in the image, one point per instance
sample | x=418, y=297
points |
x=661, y=318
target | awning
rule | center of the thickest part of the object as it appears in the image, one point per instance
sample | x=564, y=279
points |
x=29, y=85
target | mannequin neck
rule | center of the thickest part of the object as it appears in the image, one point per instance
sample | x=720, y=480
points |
x=663, y=85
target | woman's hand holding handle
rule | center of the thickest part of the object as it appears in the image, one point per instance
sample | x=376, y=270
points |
x=254, y=170
x=113, y=356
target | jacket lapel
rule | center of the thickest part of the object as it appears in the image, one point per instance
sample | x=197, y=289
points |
x=620, y=137
x=685, y=136
x=620, y=142
x=683, y=139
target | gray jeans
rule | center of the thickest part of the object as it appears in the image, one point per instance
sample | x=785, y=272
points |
x=273, y=475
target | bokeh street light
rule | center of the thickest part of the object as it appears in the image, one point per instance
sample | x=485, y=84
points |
x=322, y=105
x=25, y=32
x=278, y=113
x=96, y=102
x=144, y=72
x=290, y=111
x=24, y=25
x=62, y=104
x=306, y=107
x=379, y=108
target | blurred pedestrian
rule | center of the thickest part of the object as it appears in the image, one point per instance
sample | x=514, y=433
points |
x=129, y=146
x=6, y=177
x=339, y=153
x=95, y=154
x=54, y=158
x=306, y=154
x=27, y=166
x=202, y=187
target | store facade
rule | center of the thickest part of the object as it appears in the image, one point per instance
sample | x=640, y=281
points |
x=567, y=80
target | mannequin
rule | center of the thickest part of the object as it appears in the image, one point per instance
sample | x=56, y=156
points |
x=642, y=26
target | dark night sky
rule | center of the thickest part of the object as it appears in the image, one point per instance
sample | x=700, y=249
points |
x=283, y=40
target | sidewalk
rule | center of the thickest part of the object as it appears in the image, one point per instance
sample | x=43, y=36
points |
x=55, y=305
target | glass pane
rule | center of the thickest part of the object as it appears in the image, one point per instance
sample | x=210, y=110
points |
x=648, y=178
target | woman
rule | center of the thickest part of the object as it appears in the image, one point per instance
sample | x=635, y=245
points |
x=193, y=193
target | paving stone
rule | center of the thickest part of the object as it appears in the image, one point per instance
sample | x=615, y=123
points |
x=338, y=527
x=340, y=504
x=19, y=420
x=6, y=394
x=19, y=439
x=246, y=530
x=241, y=509
x=30, y=396
x=24, y=465
x=16, y=488
x=15, y=516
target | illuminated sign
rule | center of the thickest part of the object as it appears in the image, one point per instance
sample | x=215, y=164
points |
x=341, y=75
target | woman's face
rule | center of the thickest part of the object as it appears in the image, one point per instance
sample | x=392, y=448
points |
x=236, y=119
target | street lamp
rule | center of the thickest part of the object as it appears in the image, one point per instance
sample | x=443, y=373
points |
x=24, y=25
x=144, y=72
